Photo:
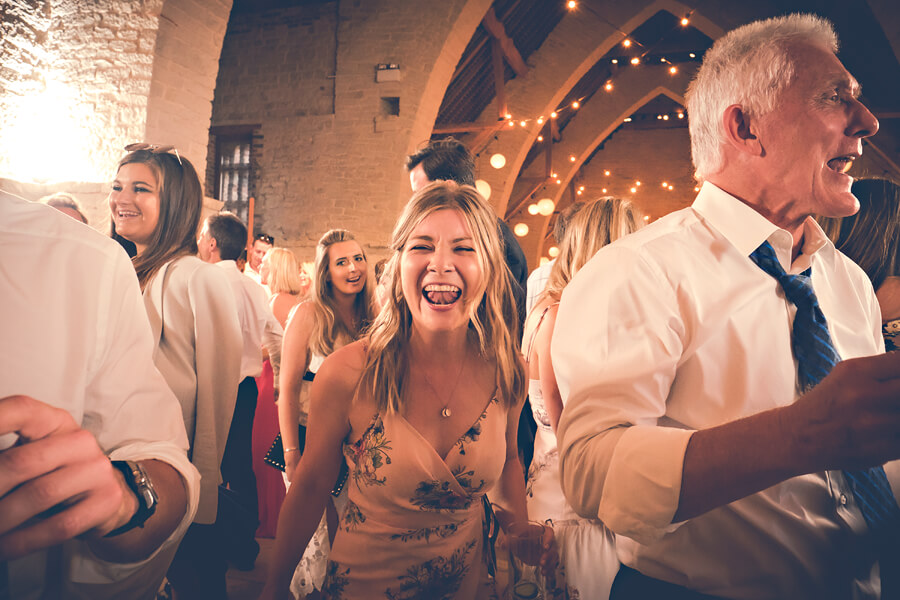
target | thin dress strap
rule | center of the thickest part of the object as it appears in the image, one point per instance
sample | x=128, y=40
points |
x=534, y=332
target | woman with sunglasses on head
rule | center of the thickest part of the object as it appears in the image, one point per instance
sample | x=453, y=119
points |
x=339, y=309
x=424, y=411
x=155, y=205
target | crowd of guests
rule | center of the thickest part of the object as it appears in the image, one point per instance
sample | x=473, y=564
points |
x=710, y=409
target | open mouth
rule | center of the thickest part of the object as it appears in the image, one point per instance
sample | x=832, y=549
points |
x=841, y=164
x=127, y=214
x=354, y=279
x=441, y=294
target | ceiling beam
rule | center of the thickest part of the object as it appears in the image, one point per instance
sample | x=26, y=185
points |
x=499, y=80
x=510, y=52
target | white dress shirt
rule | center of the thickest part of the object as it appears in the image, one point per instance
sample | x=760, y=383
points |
x=75, y=336
x=193, y=316
x=536, y=283
x=673, y=329
x=259, y=326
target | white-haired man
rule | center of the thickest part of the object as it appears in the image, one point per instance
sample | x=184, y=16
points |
x=701, y=423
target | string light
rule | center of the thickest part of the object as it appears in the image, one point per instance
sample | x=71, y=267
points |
x=615, y=61
x=673, y=69
x=540, y=138
x=664, y=184
x=553, y=115
x=575, y=105
x=635, y=61
x=606, y=173
x=572, y=4
x=692, y=55
x=633, y=190
x=533, y=209
x=523, y=123
x=603, y=190
x=609, y=86
x=626, y=42
x=572, y=158
x=627, y=119
x=684, y=22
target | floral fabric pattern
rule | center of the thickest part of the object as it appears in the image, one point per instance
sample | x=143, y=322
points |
x=412, y=527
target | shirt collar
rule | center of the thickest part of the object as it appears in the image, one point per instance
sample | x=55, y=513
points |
x=746, y=229
x=228, y=264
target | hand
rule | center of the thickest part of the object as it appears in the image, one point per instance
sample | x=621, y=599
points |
x=291, y=460
x=851, y=419
x=550, y=555
x=55, y=482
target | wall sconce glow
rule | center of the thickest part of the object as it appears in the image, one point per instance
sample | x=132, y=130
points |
x=553, y=251
x=45, y=137
x=533, y=209
x=498, y=161
x=484, y=188
x=521, y=229
x=545, y=207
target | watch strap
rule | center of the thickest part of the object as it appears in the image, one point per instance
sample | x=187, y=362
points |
x=139, y=483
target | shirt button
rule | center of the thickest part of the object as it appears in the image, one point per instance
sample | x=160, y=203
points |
x=843, y=500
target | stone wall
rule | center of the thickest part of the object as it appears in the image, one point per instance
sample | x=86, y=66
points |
x=328, y=150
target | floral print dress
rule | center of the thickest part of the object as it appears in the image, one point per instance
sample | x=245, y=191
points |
x=412, y=527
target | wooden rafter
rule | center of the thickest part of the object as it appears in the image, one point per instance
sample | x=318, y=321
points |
x=508, y=47
x=499, y=82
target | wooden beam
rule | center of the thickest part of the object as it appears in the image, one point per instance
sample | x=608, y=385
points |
x=516, y=206
x=510, y=52
x=499, y=82
x=548, y=144
x=466, y=127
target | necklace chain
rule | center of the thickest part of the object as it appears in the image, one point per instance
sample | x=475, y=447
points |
x=445, y=411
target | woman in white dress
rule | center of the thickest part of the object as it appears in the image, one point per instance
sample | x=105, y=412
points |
x=339, y=309
x=587, y=553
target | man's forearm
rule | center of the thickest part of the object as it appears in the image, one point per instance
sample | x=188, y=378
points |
x=140, y=542
x=729, y=462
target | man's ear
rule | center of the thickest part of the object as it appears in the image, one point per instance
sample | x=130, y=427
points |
x=740, y=130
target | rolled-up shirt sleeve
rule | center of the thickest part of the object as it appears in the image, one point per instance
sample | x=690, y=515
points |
x=616, y=346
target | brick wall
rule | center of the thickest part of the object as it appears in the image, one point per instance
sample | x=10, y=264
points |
x=328, y=153
x=80, y=80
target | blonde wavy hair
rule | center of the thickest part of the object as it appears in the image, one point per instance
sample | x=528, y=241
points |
x=284, y=271
x=387, y=361
x=327, y=328
x=597, y=223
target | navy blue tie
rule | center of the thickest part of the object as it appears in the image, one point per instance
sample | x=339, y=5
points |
x=816, y=356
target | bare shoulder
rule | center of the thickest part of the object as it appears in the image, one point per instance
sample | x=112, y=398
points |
x=888, y=295
x=343, y=368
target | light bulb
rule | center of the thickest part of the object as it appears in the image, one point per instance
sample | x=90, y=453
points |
x=498, y=161
x=553, y=251
x=635, y=61
x=545, y=207
x=521, y=229
x=533, y=209
x=483, y=187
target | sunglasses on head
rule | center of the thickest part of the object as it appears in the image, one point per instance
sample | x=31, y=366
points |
x=265, y=238
x=154, y=149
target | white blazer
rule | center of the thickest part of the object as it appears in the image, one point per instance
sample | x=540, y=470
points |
x=194, y=320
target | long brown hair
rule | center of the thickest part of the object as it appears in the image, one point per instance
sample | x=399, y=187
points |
x=180, y=203
x=871, y=237
x=388, y=339
x=327, y=327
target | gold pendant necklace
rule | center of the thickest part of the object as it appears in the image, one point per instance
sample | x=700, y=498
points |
x=445, y=411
